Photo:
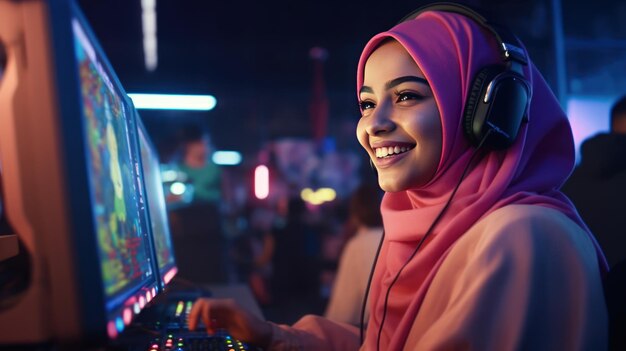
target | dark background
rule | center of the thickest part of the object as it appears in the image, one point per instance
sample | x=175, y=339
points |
x=254, y=57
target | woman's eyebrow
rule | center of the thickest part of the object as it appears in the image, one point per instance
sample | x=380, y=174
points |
x=397, y=81
x=392, y=83
x=366, y=89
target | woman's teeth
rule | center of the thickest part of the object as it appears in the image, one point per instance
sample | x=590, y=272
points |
x=391, y=150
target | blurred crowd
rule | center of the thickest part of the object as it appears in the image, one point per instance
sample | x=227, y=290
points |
x=286, y=249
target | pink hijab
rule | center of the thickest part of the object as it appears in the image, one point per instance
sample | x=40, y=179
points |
x=450, y=49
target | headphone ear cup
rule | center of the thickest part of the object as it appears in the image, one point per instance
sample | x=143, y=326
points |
x=472, y=120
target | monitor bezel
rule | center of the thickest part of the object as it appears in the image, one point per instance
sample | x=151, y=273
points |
x=169, y=269
x=74, y=147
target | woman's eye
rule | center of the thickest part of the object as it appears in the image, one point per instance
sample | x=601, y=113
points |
x=366, y=105
x=406, y=96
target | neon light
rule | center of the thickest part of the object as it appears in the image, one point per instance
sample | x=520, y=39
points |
x=261, y=182
x=111, y=330
x=179, y=308
x=227, y=158
x=136, y=308
x=318, y=196
x=149, y=27
x=119, y=324
x=142, y=301
x=306, y=193
x=178, y=188
x=588, y=115
x=127, y=315
x=173, y=102
x=327, y=194
x=170, y=275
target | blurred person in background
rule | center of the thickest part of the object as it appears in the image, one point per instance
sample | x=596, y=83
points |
x=294, y=276
x=357, y=257
x=598, y=185
x=195, y=162
x=598, y=189
x=200, y=246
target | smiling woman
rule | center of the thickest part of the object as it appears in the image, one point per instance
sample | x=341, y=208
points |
x=481, y=250
x=400, y=127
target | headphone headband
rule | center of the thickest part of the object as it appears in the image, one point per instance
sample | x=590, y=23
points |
x=499, y=96
x=508, y=44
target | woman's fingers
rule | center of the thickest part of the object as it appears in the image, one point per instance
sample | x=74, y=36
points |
x=205, y=313
x=209, y=311
x=200, y=310
x=227, y=314
x=194, y=315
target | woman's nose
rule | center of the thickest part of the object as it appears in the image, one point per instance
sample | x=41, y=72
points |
x=380, y=121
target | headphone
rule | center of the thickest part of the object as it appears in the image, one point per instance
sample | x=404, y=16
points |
x=500, y=95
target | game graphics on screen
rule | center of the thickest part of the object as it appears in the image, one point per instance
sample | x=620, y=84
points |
x=118, y=218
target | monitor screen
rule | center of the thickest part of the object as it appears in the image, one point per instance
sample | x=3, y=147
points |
x=72, y=183
x=118, y=207
x=156, y=207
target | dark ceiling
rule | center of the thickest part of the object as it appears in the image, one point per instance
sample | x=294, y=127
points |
x=253, y=57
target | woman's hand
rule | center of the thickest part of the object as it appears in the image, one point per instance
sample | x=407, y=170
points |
x=227, y=314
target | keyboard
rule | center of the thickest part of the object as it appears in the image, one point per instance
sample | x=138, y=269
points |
x=198, y=341
x=168, y=322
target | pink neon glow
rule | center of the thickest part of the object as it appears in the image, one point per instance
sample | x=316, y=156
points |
x=127, y=315
x=588, y=115
x=169, y=275
x=261, y=182
x=111, y=330
x=153, y=292
x=142, y=301
x=148, y=296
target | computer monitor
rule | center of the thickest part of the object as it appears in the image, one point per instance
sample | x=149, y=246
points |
x=157, y=210
x=72, y=182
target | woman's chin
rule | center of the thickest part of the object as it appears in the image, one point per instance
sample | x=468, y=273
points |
x=389, y=185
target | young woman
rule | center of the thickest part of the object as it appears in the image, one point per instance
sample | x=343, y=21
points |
x=481, y=251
